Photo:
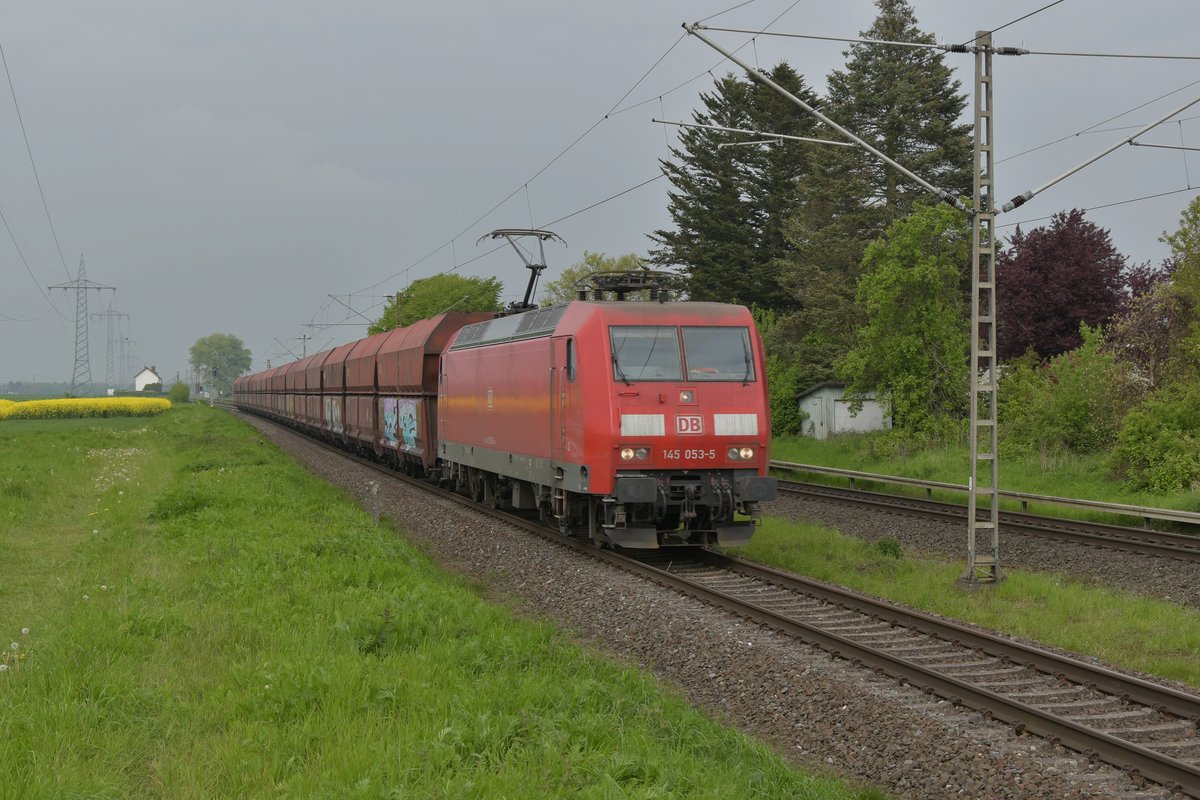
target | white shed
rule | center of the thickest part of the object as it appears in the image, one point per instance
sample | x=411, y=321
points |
x=147, y=376
x=829, y=412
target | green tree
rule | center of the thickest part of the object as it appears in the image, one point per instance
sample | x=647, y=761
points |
x=1151, y=334
x=1185, y=285
x=912, y=351
x=729, y=204
x=428, y=297
x=906, y=103
x=219, y=358
x=562, y=289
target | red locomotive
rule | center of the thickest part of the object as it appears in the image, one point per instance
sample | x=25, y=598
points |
x=638, y=424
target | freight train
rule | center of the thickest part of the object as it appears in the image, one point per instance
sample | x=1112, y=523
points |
x=638, y=423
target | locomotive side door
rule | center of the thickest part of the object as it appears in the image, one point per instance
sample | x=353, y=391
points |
x=562, y=374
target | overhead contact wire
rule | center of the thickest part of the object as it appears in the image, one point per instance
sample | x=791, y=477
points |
x=1015, y=21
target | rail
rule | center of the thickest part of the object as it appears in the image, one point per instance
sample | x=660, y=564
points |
x=1146, y=513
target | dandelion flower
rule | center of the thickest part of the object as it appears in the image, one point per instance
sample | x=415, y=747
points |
x=95, y=530
x=24, y=631
x=104, y=587
x=85, y=597
x=13, y=646
x=3, y=667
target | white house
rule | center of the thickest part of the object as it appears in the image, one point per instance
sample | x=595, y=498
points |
x=829, y=412
x=147, y=376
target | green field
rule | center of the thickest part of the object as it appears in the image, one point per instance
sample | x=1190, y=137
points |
x=205, y=619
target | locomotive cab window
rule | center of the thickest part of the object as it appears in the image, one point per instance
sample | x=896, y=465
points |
x=718, y=354
x=645, y=353
x=571, y=360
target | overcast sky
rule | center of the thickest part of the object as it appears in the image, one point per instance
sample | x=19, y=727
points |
x=230, y=165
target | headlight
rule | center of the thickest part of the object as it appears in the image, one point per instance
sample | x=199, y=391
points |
x=741, y=453
x=627, y=454
x=635, y=453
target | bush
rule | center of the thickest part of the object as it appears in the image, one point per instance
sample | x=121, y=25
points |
x=1158, y=448
x=1073, y=403
x=783, y=392
x=179, y=393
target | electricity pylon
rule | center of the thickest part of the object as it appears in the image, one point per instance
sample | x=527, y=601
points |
x=110, y=373
x=82, y=375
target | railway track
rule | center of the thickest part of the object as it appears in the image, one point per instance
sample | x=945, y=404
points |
x=1091, y=534
x=1150, y=731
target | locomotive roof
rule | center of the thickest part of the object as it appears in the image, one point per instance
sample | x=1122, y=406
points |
x=569, y=317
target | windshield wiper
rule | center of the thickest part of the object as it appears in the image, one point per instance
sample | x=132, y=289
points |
x=749, y=364
x=620, y=372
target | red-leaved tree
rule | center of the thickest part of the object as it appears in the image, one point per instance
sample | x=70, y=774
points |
x=1051, y=279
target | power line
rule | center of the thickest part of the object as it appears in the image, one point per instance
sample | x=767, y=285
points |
x=1113, y=55
x=487, y=253
x=537, y=174
x=726, y=11
x=965, y=47
x=1107, y=205
x=615, y=109
x=21, y=255
x=1024, y=197
x=1014, y=22
x=33, y=163
x=1092, y=128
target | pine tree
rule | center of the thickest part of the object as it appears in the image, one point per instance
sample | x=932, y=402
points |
x=730, y=204
x=905, y=102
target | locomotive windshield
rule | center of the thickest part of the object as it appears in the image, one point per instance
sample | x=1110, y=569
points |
x=645, y=353
x=718, y=354
x=652, y=353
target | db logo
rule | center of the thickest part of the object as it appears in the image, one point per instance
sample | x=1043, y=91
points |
x=689, y=424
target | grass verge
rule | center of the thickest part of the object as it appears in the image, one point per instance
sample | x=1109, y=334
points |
x=1083, y=477
x=1135, y=632
x=205, y=619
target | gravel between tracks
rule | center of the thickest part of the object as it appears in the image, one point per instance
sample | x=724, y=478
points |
x=818, y=712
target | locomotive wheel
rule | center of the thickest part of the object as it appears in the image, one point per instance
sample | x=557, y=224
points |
x=475, y=484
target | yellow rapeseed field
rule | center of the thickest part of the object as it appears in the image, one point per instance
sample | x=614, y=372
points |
x=84, y=407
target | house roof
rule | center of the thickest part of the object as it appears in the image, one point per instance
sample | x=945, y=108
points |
x=818, y=386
